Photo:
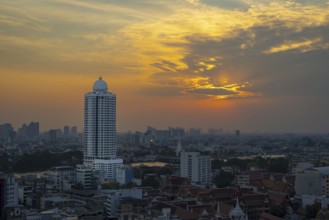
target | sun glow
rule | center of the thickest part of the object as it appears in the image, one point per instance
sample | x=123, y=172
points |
x=203, y=87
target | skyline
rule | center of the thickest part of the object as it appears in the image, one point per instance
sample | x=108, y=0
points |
x=231, y=64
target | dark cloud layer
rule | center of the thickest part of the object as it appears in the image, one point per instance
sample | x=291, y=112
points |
x=288, y=72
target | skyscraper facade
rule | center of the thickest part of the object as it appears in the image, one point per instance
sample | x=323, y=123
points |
x=100, y=130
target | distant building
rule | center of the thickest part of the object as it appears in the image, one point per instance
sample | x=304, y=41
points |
x=155, y=134
x=237, y=133
x=22, y=131
x=176, y=132
x=66, y=131
x=136, y=138
x=178, y=148
x=194, y=132
x=74, y=131
x=214, y=131
x=7, y=134
x=162, y=134
x=52, y=133
x=33, y=130
x=195, y=167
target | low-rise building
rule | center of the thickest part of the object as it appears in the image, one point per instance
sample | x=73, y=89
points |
x=124, y=175
x=83, y=176
x=57, y=175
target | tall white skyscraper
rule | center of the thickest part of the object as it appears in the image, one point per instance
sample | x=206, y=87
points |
x=100, y=130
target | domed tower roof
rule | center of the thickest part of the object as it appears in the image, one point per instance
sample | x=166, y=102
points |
x=100, y=85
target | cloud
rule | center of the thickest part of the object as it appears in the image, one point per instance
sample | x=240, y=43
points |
x=291, y=45
x=228, y=4
x=216, y=43
x=161, y=91
x=214, y=91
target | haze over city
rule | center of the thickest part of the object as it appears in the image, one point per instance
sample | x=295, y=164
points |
x=232, y=64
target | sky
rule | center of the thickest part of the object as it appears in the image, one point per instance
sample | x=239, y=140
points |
x=253, y=65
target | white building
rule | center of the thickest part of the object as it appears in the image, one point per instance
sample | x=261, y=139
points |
x=107, y=168
x=83, y=176
x=60, y=174
x=195, y=167
x=8, y=190
x=124, y=174
x=312, y=181
x=114, y=198
x=302, y=166
x=112, y=203
x=100, y=130
x=23, y=192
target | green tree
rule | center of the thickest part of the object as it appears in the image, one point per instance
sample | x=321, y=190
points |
x=279, y=165
x=166, y=170
x=216, y=164
x=43, y=160
x=152, y=182
x=279, y=211
x=5, y=164
x=242, y=164
x=128, y=185
x=111, y=185
x=224, y=179
x=311, y=211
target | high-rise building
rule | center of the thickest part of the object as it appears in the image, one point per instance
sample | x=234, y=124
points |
x=177, y=132
x=33, y=130
x=66, y=131
x=29, y=131
x=100, y=130
x=195, y=167
x=7, y=133
x=74, y=131
x=52, y=135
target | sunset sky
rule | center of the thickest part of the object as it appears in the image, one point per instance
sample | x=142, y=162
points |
x=253, y=65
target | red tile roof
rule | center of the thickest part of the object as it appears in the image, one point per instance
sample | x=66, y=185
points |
x=267, y=216
x=224, y=193
x=254, y=199
x=277, y=198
